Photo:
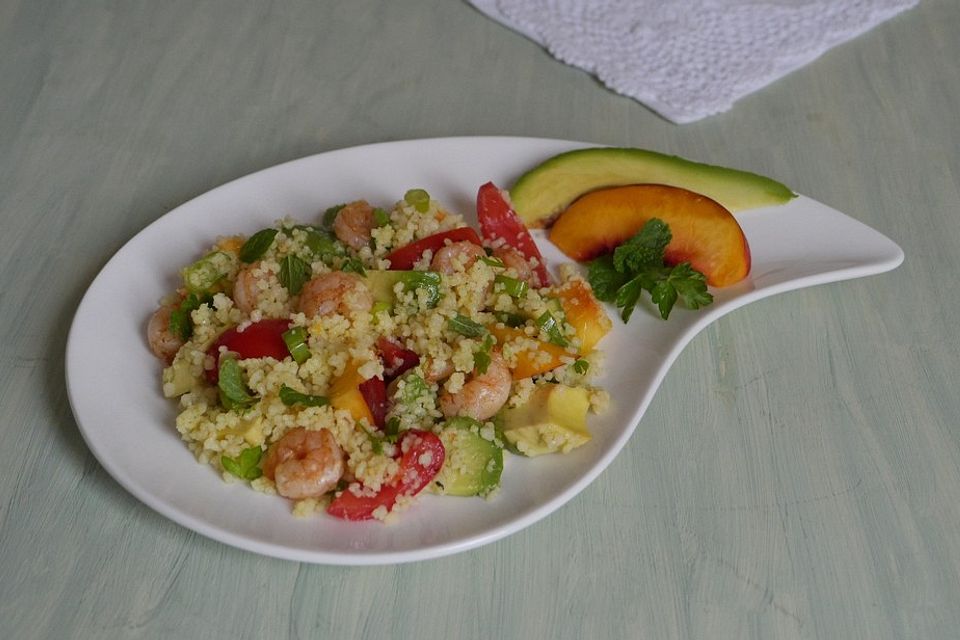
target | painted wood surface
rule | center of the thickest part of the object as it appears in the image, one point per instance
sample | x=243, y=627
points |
x=797, y=476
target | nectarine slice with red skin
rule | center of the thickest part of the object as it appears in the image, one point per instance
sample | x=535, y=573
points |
x=705, y=234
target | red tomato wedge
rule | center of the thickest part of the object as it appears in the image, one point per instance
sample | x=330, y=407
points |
x=499, y=220
x=262, y=339
x=396, y=358
x=403, y=259
x=374, y=393
x=420, y=462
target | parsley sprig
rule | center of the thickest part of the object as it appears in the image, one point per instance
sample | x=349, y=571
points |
x=637, y=266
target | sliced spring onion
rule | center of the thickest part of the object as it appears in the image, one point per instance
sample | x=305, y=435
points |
x=493, y=262
x=549, y=325
x=381, y=217
x=296, y=341
x=201, y=276
x=291, y=397
x=581, y=366
x=294, y=273
x=429, y=281
x=257, y=245
x=511, y=286
x=466, y=327
x=418, y=199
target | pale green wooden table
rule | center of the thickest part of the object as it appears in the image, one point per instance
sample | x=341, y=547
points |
x=797, y=476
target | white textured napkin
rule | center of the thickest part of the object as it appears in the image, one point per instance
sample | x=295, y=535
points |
x=688, y=59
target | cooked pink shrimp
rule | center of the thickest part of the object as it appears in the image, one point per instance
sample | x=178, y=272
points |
x=304, y=463
x=335, y=292
x=163, y=343
x=482, y=395
x=459, y=254
x=353, y=224
x=251, y=282
x=515, y=260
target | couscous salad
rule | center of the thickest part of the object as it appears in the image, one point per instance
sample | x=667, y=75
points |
x=351, y=362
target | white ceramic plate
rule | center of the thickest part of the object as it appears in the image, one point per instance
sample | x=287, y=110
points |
x=114, y=381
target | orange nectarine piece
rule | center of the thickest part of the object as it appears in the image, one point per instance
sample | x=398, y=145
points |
x=704, y=232
x=584, y=313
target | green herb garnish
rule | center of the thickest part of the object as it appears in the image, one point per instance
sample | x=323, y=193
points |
x=331, y=214
x=549, y=325
x=637, y=265
x=428, y=281
x=181, y=324
x=257, y=245
x=481, y=357
x=353, y=265
x=294, y=273
x=246, y=465
x=581, y=366
x=466, y=327
x=291, y=397
x=234, y=395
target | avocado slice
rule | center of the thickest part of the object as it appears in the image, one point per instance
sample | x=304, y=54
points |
x=553, y=420
x=546, y=190
x=473, y=464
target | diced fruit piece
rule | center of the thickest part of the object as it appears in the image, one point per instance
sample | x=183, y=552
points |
x=553, y=420
x=541, y=358
x=584, y=313
x=473, y=464
x=405, y=257
x=704, y=233
x=262, y=339
x=396, y=358
x=177, y=379
x=499, y=221
x=422, y=458
x=374, y=393
x=345, y=394
x=546, y=190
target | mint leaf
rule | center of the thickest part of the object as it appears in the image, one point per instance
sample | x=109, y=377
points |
x=605, y=279
x=257, y=245
x=645, y=249
x=289, y=397
x=233, y=391
x=245, y=466
x=294, y=273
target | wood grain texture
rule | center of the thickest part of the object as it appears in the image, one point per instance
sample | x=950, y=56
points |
x=797, y=475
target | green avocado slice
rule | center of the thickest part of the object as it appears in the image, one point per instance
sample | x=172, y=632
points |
x=546, y=190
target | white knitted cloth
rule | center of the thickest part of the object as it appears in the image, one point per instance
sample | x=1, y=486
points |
x=688, y=59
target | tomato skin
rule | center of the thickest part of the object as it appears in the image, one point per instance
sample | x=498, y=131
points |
x=403, y=258
x=397, y=359
x=374, y=392
x=499, y=220
x=415, y=473
x=262, y=339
